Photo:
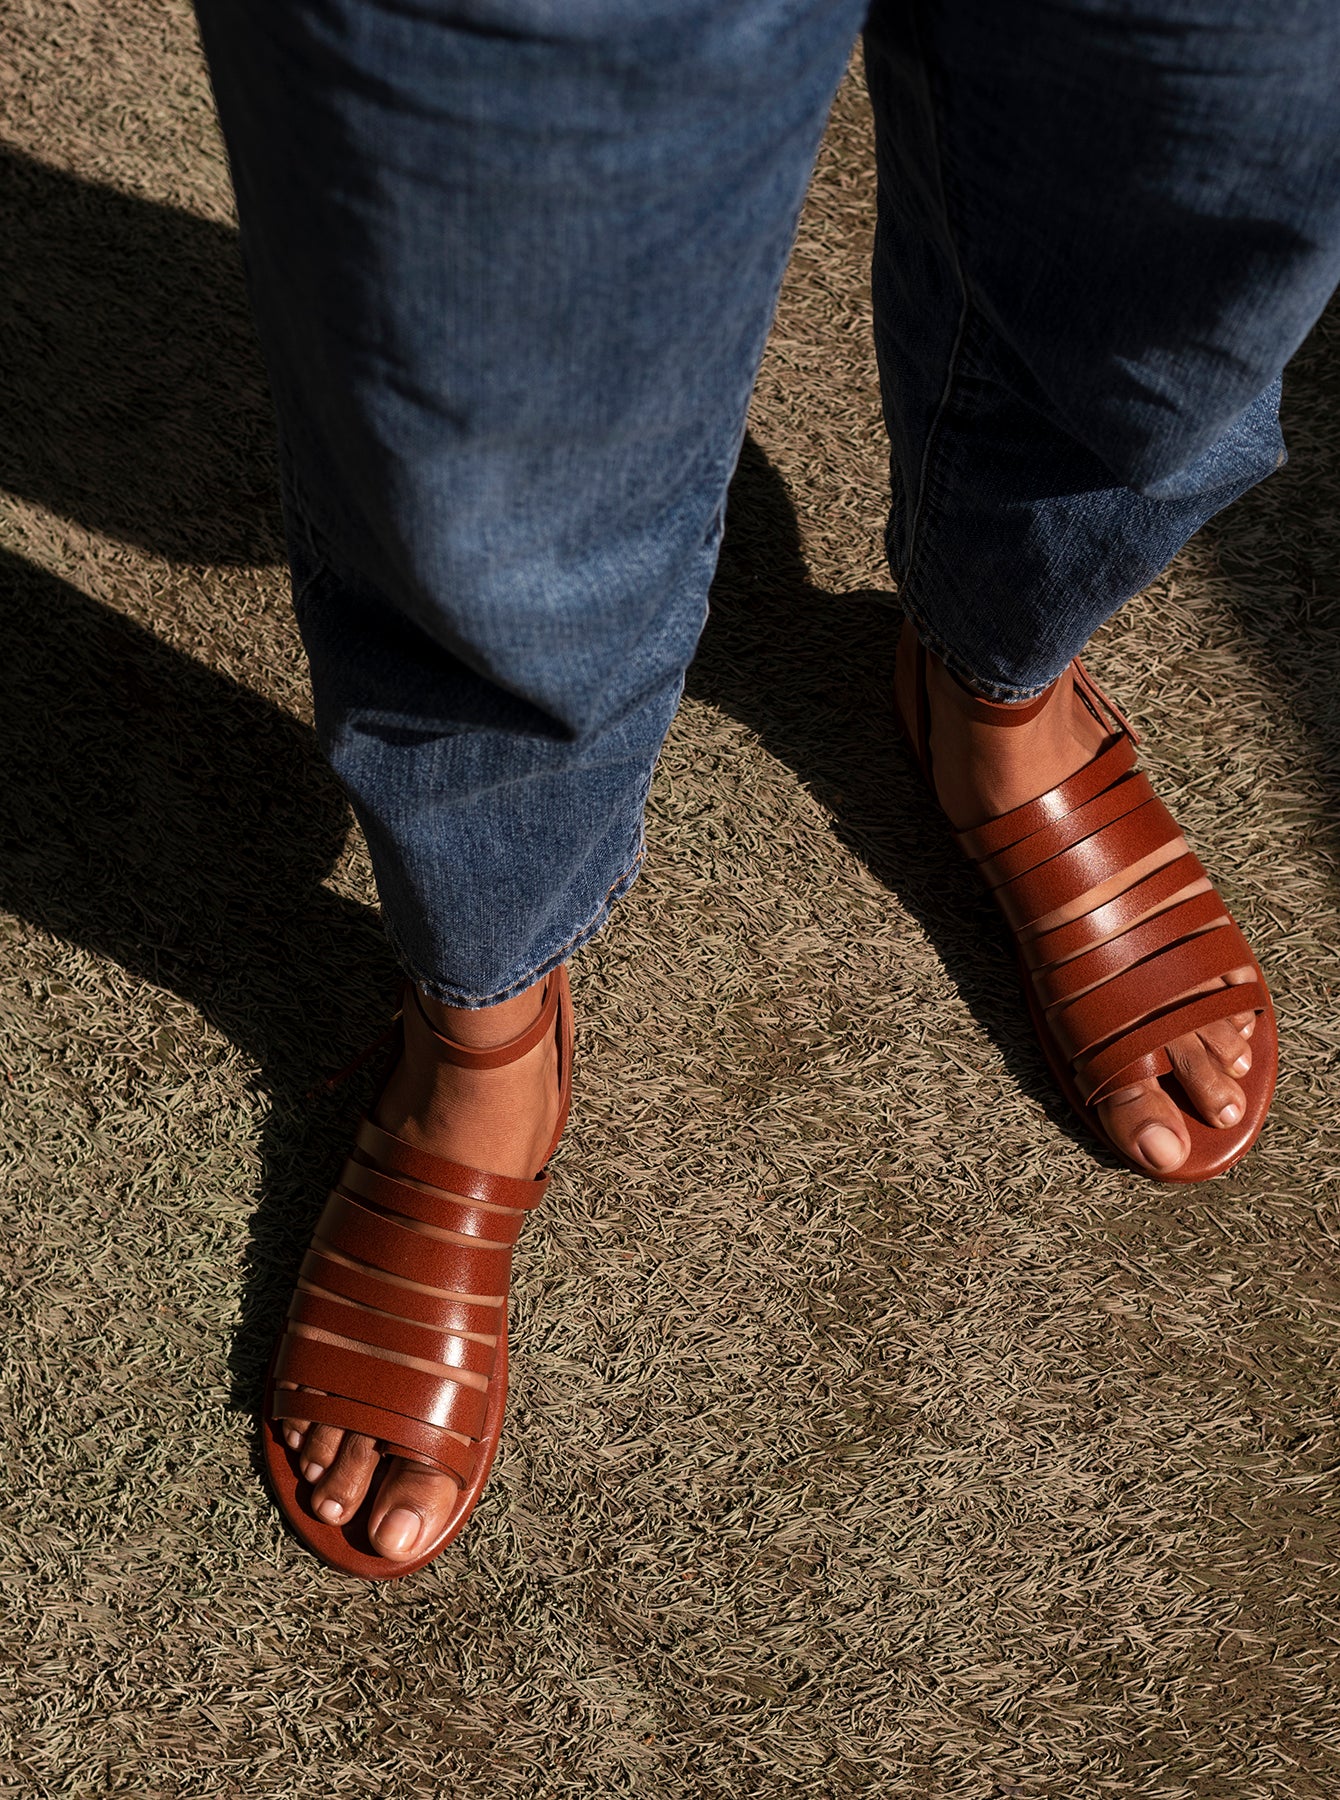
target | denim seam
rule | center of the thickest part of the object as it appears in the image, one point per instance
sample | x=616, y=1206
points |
x=451, y=997
x=299, y=514
x=924, y=474
x=953, y=369
x=988, y=690
x=318, y=572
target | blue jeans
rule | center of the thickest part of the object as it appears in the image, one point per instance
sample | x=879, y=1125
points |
x=513, y=264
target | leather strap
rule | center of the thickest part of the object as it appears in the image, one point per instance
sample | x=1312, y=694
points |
x=1110, y=764
x=1087, y=865
x=1128, y=998
x=1102, y=1070
x=999, y=712
x=443, y=1211
x=346, y=1320
x=1100, y=704
x=390, y=1290
x=407, y=1393
x=1119, y=983
x=370, y=1237
x=369, y=1288
x=397, y=1435
x=1064, y=981
x=995, y=712
x=386, y=1151
x=1115, y=915
x=498, y=1055
x=1104, y=809
x=1148, y=1067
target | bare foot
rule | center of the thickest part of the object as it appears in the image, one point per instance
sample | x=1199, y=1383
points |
x=501, y=1120
x=982, y=770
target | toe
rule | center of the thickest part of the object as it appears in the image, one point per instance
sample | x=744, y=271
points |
x=340, y=1492
x=1214, y=1094
x=295, y=1430
x=1245, y=1022
x=320, y=1447
x=1225, y=1043
x=1224, y=1038
x=1147, y=1126
x=412, y=1508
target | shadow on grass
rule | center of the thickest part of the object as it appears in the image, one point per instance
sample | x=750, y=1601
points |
x=166, y=817
x=132, y=396
x=811, y=672
x=151, y=810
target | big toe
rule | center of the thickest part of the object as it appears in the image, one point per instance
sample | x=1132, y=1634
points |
x=1146, y=1125
x=412, y=1509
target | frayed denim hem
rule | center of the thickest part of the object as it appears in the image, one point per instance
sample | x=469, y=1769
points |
x=449, y=996
x=987, y=690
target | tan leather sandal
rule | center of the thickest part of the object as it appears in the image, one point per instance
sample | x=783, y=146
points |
x=1108, y=991
x=433, y=1419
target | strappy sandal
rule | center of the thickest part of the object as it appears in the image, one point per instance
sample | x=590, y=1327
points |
x=436, y=1420
x=1108, y=991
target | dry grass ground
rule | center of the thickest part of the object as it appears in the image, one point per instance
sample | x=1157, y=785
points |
x=925, y=1453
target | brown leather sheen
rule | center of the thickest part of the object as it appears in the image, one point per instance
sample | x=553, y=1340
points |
x=983, y=841
x=365, y=1286
x=396, y=1157
x=403, y=1336
x=427, y=1443
x=430, y=1207
x=1063, y=981
x=373, y=1237
x=1137, y=993
x=466, y=1056
x=377, y=1381
x=1101, y=1071
x=1113, y=916
x=1081, y=867
x=1059, y=834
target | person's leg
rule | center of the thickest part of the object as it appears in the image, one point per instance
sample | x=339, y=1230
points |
x=513, y=266
x=1100, y=237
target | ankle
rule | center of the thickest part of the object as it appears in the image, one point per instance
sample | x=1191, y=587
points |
x=499, y=1119
x=985, y=766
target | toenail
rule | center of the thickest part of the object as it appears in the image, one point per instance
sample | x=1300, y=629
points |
x=1241, y=1066
x=331, y=1511
x=1230, y=1115
x=1160, y=1147
x=293, y=1439
x=398, y=1531
x=1249, y=1027
x=313, y=1471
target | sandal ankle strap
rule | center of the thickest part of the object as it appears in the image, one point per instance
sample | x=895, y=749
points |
x=496, y=1056
x=1019, y=712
